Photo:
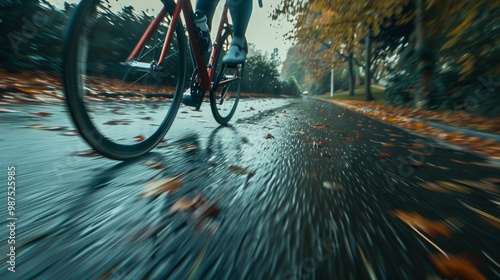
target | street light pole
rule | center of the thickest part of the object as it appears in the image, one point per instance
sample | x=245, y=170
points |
x=332, y=82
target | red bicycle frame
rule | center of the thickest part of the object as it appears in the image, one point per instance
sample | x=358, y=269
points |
x=206, y=75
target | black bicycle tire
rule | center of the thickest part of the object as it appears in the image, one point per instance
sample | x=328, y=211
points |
x=75, y=103
x=213, y=98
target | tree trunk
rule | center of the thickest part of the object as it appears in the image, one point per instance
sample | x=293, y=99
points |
x=352, y=75
x=425, y=56
x=368, y=73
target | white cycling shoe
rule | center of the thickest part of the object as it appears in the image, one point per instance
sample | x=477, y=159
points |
x=236, y=54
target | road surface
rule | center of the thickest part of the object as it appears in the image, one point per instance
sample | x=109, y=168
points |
x=305, y=190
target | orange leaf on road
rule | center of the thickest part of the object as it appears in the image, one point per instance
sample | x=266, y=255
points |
x=433, y=187
x=155, y=165
x=239, y=170
x=206, y=210
x=183, y=204
x=456, y=267
x=42, y=114
x=388, y=145
x=384, y=155
x=189, y=147
x=320, y=125
x=88, y=153
x=169, y=185
x=432, y=228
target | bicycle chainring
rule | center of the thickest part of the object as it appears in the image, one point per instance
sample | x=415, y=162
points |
x=197, y=94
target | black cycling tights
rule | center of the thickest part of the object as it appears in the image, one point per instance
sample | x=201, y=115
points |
x=241, y=10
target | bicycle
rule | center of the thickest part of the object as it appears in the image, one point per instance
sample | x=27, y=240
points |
x=99, y=81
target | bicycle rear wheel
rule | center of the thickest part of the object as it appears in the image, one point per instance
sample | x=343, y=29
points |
x=225, y=91
x=122, y=109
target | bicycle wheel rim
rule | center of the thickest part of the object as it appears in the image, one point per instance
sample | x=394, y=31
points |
x=225, y=92
x=98, y=131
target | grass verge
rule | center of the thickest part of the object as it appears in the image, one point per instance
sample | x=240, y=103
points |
x=359, y=94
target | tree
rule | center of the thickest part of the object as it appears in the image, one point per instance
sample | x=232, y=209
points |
x=340, y=24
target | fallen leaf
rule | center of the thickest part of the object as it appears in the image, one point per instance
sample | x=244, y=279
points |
x=389, y=119
x=395, y=135
x=359, y=136
x=333, y=186
x=206, y=210
x=35, y=126
x=484, y=164
x=139, y=138
x=42, y=114
x=238, y=170
x=117, y=111
x=87, y=153
x=348, y=138
x=384, y=154
x=189, y=147
x=418, y=164
x=456, y=267
x=492, y=180
x=169, y=185
x=419, y=125
x=480, y=185
x=52, y=128
x=116, y=122
x=421, y=153
x=155, y=165
x=453, y=186
x=388, y=145
x=244, y=140
x=183, y=204
x=319, y=144
x=320, y=125
x=269, y=136
x=432, y=228
x=433, y=187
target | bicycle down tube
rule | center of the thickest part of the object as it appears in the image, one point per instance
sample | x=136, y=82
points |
x=205, y=75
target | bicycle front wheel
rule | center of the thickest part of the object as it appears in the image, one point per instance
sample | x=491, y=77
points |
x=122, y=108
x=225, y=92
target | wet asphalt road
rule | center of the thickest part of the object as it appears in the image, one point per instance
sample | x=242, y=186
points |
x=314, y=202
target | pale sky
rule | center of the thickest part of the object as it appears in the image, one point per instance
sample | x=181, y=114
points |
x=262, y=31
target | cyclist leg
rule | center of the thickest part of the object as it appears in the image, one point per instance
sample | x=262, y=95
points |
x=241, y=10
x=208, y=9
